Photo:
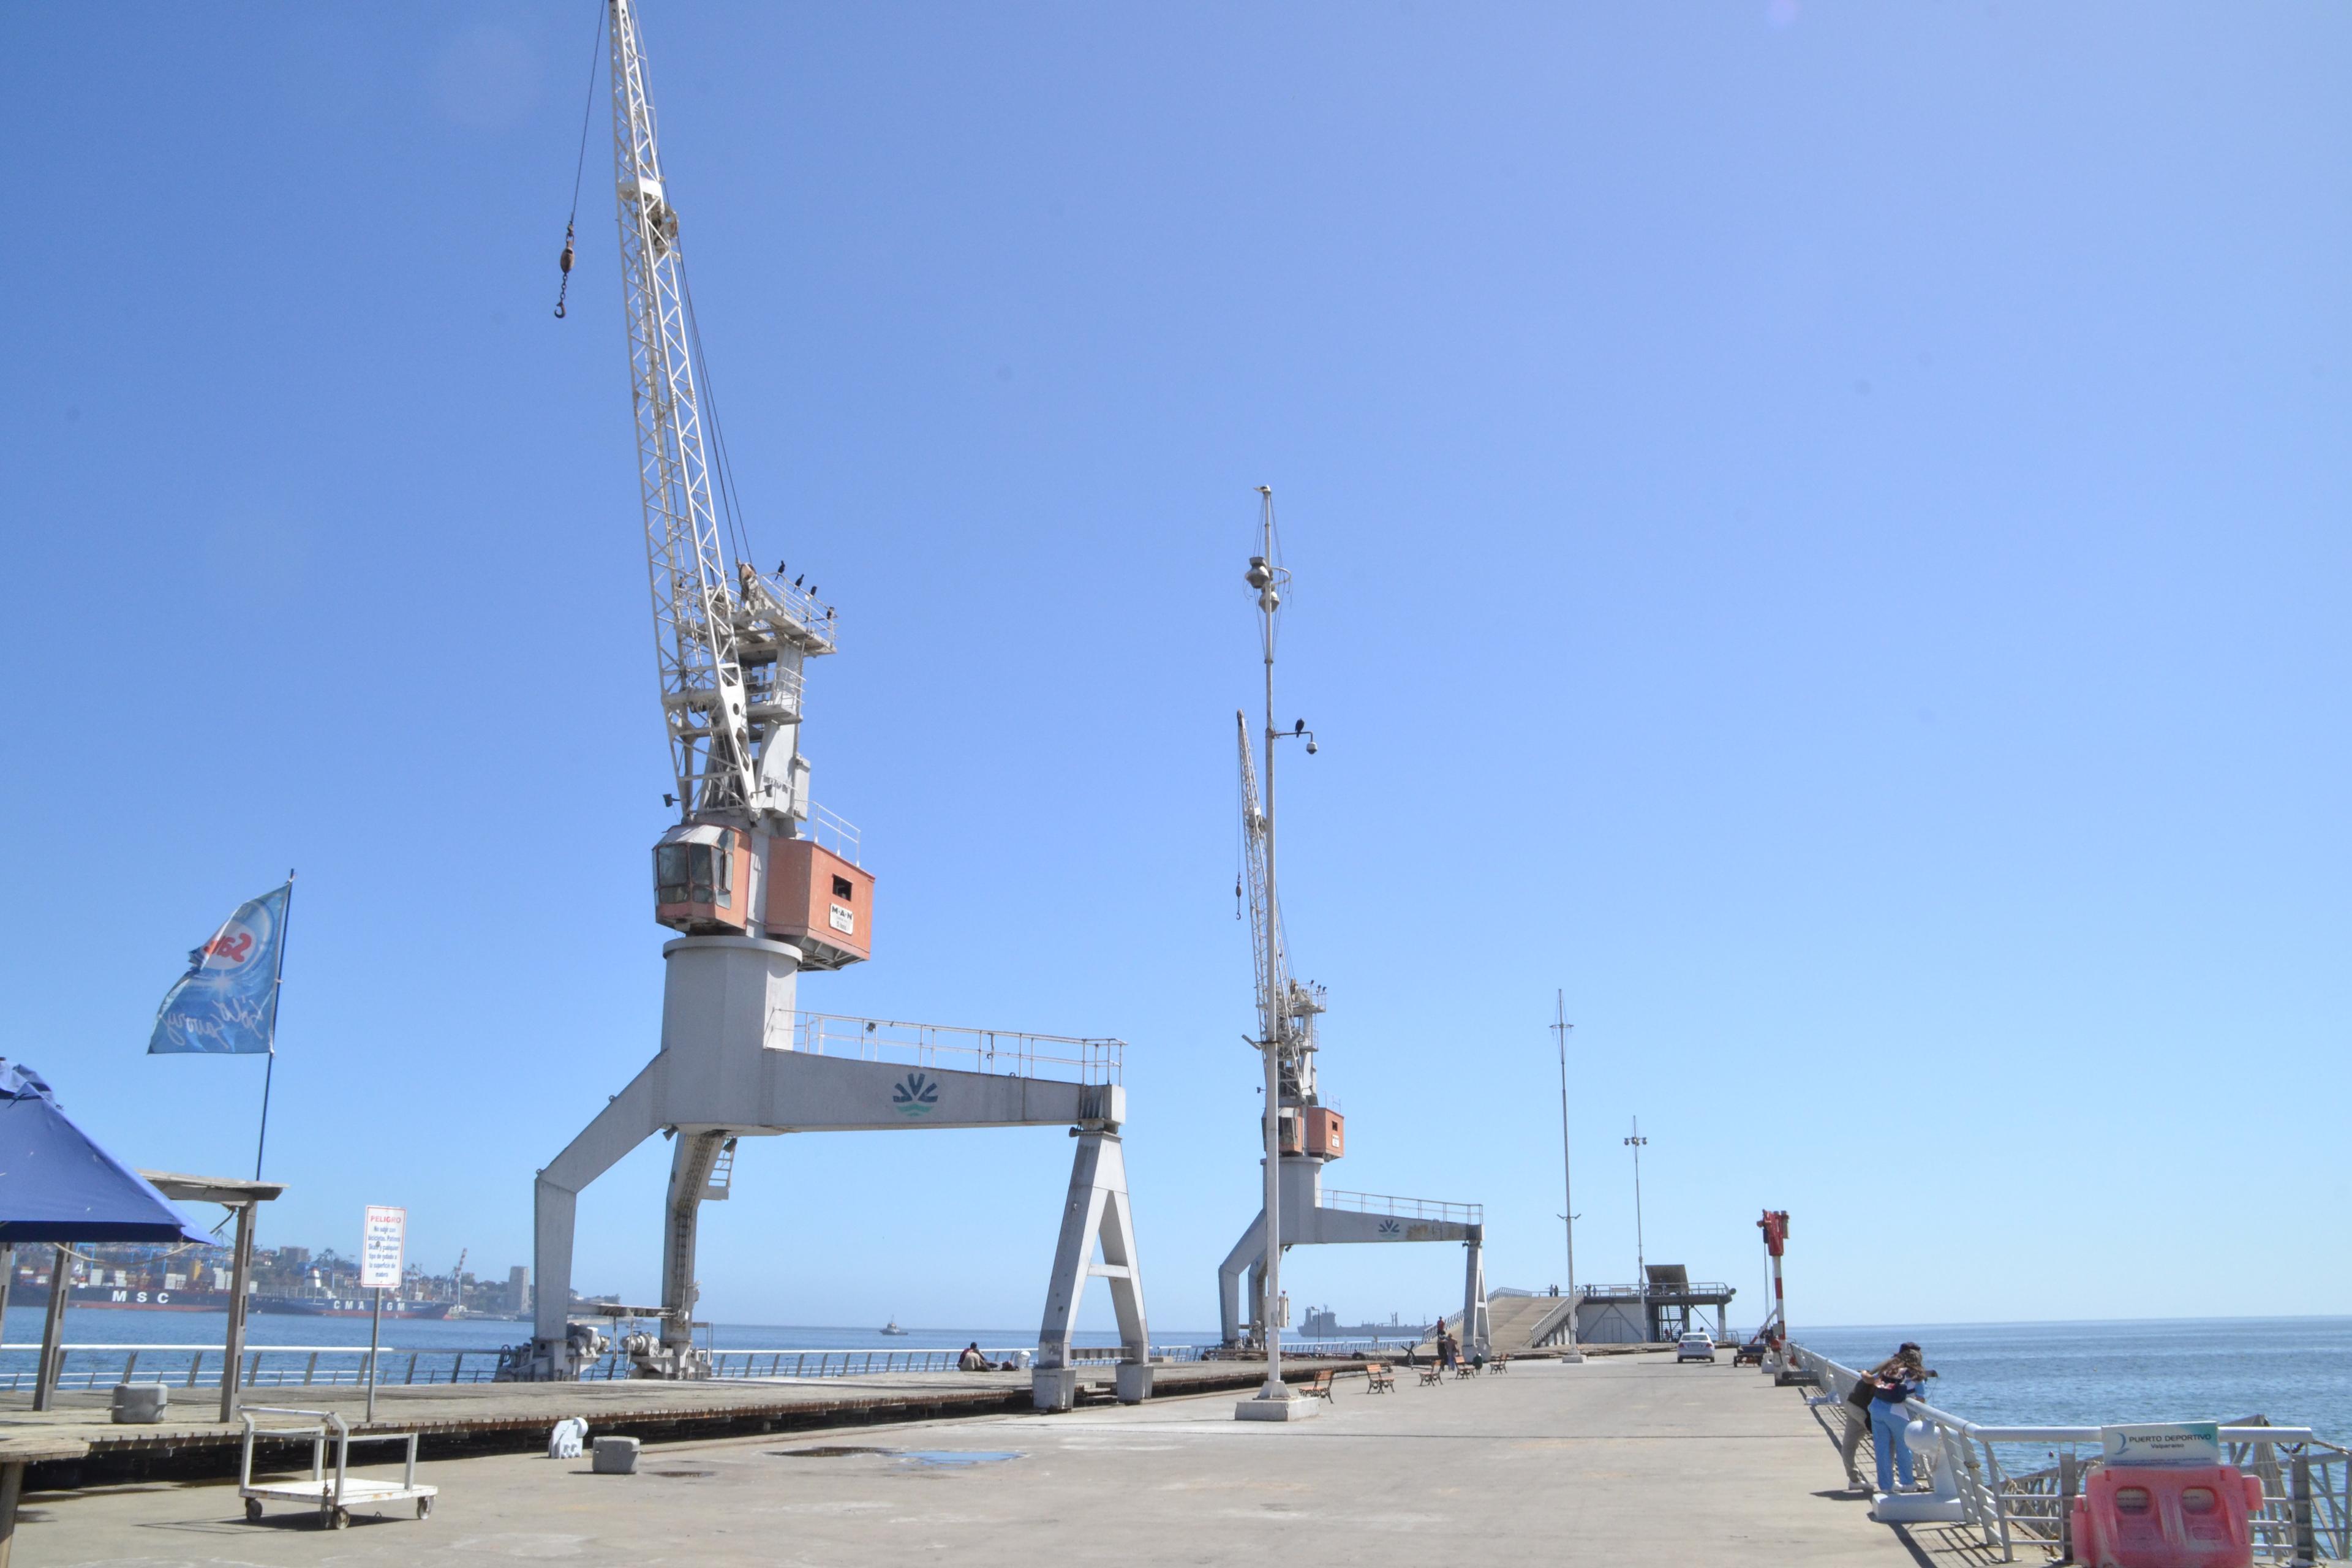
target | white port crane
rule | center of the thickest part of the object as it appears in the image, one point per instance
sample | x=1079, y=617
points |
x=756, y=897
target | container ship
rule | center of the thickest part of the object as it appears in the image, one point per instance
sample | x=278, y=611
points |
x=349, y=1307
x=152, y=1292
x=29, y=1292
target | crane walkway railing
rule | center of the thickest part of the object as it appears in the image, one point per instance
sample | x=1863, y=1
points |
x=949, y=1046
x=835, y=833
x=2016, y=1484
x=1403, y=1208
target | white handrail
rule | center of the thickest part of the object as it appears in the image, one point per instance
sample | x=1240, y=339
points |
x=2001, y=1506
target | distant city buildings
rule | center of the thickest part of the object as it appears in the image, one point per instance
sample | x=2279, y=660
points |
x=192, y=1276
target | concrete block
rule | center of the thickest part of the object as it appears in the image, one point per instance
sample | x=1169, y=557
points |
x=140, y=1403
x=1055, y=1387
x=616, y=1456
x=1134, y=1385
x=1262, y=1409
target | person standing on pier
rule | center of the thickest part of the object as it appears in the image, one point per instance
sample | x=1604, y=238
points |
x=1894, y=1384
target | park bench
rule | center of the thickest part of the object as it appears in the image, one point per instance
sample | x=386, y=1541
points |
x=1499, y=1363
x=1378, y=1378
x=1321, y=1387
x=1432, y=1375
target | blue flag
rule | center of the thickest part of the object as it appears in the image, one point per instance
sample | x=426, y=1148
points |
x=226, y=1004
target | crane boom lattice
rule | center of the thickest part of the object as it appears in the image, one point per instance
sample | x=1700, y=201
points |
x=1285, y=1009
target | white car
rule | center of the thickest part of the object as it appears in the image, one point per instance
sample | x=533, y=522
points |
x=1694, y=1347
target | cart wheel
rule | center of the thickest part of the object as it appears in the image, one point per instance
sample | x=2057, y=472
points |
x=425, y=1508
x=341, y=1520
x=253, y=1511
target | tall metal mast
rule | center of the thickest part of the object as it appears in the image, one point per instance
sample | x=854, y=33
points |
x=1265, y=577
x=1561, y=1026
x=729, y=642
x=1285, y=1009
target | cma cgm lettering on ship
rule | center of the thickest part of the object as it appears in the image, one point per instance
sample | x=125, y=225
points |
x=349, y=1307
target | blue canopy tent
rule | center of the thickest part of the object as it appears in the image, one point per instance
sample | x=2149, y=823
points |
x=57, y=1187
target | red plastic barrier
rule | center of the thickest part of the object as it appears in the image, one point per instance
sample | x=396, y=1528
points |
x=2196, y=1516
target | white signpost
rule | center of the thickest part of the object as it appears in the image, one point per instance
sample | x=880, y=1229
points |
x=383, y=1237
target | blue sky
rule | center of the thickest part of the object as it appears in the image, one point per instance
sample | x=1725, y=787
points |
x=1820, y=530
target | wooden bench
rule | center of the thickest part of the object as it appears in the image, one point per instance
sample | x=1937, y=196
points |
x=1378, y=1378
x=1499, y=1363
x=1466, y=1369
x=1432, y=1375
x=1321, y=1387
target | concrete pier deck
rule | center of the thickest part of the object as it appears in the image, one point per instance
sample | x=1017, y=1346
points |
x=472, y=1418
x=1615, y=1461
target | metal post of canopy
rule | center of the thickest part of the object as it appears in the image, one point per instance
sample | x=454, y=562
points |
x=53, y=1351
x=241, y=1198
x=240, y=1269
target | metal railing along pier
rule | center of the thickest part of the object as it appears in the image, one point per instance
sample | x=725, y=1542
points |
x=101, y=1366
x=2017, y=1483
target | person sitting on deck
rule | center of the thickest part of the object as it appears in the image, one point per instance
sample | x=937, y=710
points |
x=972, y=1361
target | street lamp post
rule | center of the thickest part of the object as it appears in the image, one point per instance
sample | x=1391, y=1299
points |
x=1561, y=1026
x=1641, y=1258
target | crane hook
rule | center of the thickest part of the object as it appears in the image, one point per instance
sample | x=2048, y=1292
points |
x=563, y=262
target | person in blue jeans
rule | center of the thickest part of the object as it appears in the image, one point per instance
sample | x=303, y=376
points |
x=1896, y=1382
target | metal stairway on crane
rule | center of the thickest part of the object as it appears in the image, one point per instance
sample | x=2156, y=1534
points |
x=761, y=885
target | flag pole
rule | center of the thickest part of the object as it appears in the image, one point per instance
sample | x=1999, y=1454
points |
x=277, y=980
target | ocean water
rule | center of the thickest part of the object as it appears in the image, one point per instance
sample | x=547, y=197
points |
x=161, y=1335
x=2296, y=1371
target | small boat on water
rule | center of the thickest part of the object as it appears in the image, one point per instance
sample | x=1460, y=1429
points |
x=893, y=1329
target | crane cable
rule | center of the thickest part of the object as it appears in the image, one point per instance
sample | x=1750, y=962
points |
x=579, y=170
x=730, y=503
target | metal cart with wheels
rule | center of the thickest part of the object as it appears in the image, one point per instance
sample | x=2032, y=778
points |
x=334, y=1496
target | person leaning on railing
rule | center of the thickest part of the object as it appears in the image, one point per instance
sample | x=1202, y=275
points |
x=1867, y=1389
x=1895, y=1383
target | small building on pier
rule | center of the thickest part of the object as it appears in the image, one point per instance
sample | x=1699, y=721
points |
x=1660, y=1309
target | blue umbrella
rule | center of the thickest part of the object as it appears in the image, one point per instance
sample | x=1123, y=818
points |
x=57, y=1185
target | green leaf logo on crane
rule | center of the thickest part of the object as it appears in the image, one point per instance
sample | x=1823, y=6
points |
x=916, y=1096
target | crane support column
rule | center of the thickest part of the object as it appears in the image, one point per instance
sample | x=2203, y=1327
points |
x=1477, y=1336
x=1096, y=1213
